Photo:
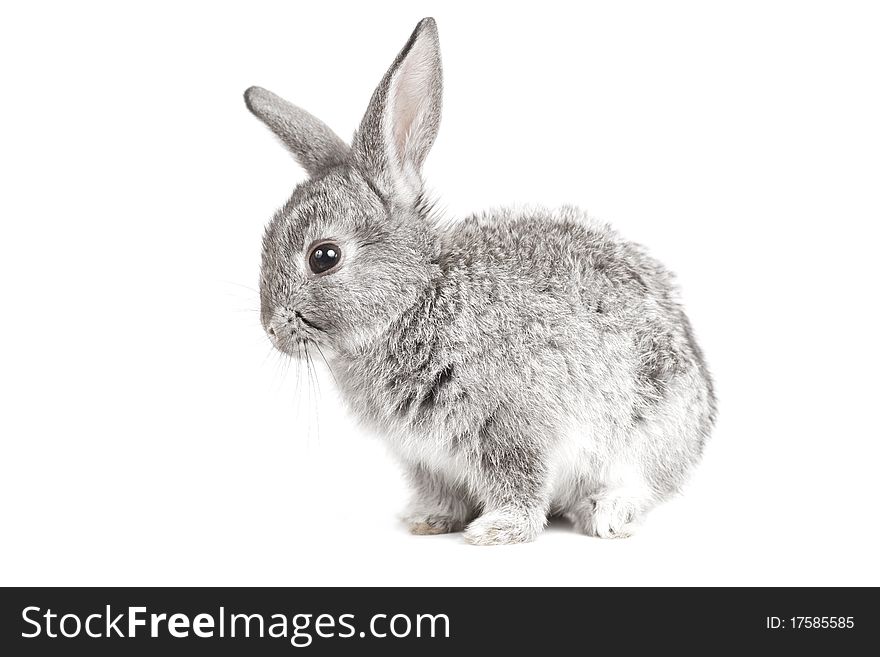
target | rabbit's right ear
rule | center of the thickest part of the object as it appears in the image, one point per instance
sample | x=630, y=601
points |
x=401, y=122
x=315, y=146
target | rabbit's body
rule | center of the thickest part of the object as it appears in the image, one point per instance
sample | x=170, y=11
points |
x=553, y=319
x=519, y=363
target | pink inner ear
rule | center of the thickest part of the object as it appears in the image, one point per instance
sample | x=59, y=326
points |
x=407, y=97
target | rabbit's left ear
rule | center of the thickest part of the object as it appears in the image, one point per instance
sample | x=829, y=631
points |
x=315, y=146
x=403, y=117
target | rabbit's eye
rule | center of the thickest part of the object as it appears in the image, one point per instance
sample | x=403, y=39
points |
x=324, y=257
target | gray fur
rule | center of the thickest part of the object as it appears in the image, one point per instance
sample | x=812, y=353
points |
x=315, y=146
x=519, y=363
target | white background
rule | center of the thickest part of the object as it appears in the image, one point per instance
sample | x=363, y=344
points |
x=150, y=437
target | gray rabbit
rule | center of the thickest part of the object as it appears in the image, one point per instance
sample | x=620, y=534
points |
x=520, y=363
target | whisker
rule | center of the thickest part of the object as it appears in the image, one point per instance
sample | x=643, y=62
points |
x=298, y=386
x=324, y=358
x=316, y=387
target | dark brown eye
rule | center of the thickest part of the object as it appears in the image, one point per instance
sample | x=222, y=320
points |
x=324, y=257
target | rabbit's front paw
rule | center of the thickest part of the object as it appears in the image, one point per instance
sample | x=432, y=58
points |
x=606, y=517
x=503, y=527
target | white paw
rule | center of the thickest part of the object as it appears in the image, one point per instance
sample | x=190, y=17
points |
x=606, y=517
x=504, y=527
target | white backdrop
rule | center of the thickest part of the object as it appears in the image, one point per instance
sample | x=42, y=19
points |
x=150, y=437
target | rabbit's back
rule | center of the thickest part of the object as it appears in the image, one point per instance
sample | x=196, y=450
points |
x=561, y=252
x=540, y=279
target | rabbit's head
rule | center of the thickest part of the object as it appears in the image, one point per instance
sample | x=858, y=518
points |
x=354, y=245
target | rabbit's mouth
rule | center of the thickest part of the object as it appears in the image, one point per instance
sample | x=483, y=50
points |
x=307, y=322
x=291, y=332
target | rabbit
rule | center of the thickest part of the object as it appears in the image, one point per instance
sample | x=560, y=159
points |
x=520, y=364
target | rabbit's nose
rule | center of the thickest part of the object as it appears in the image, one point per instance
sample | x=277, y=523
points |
x=273, y=330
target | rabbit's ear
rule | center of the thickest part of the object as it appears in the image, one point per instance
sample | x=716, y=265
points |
x=315, y=146
x=403, y=117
